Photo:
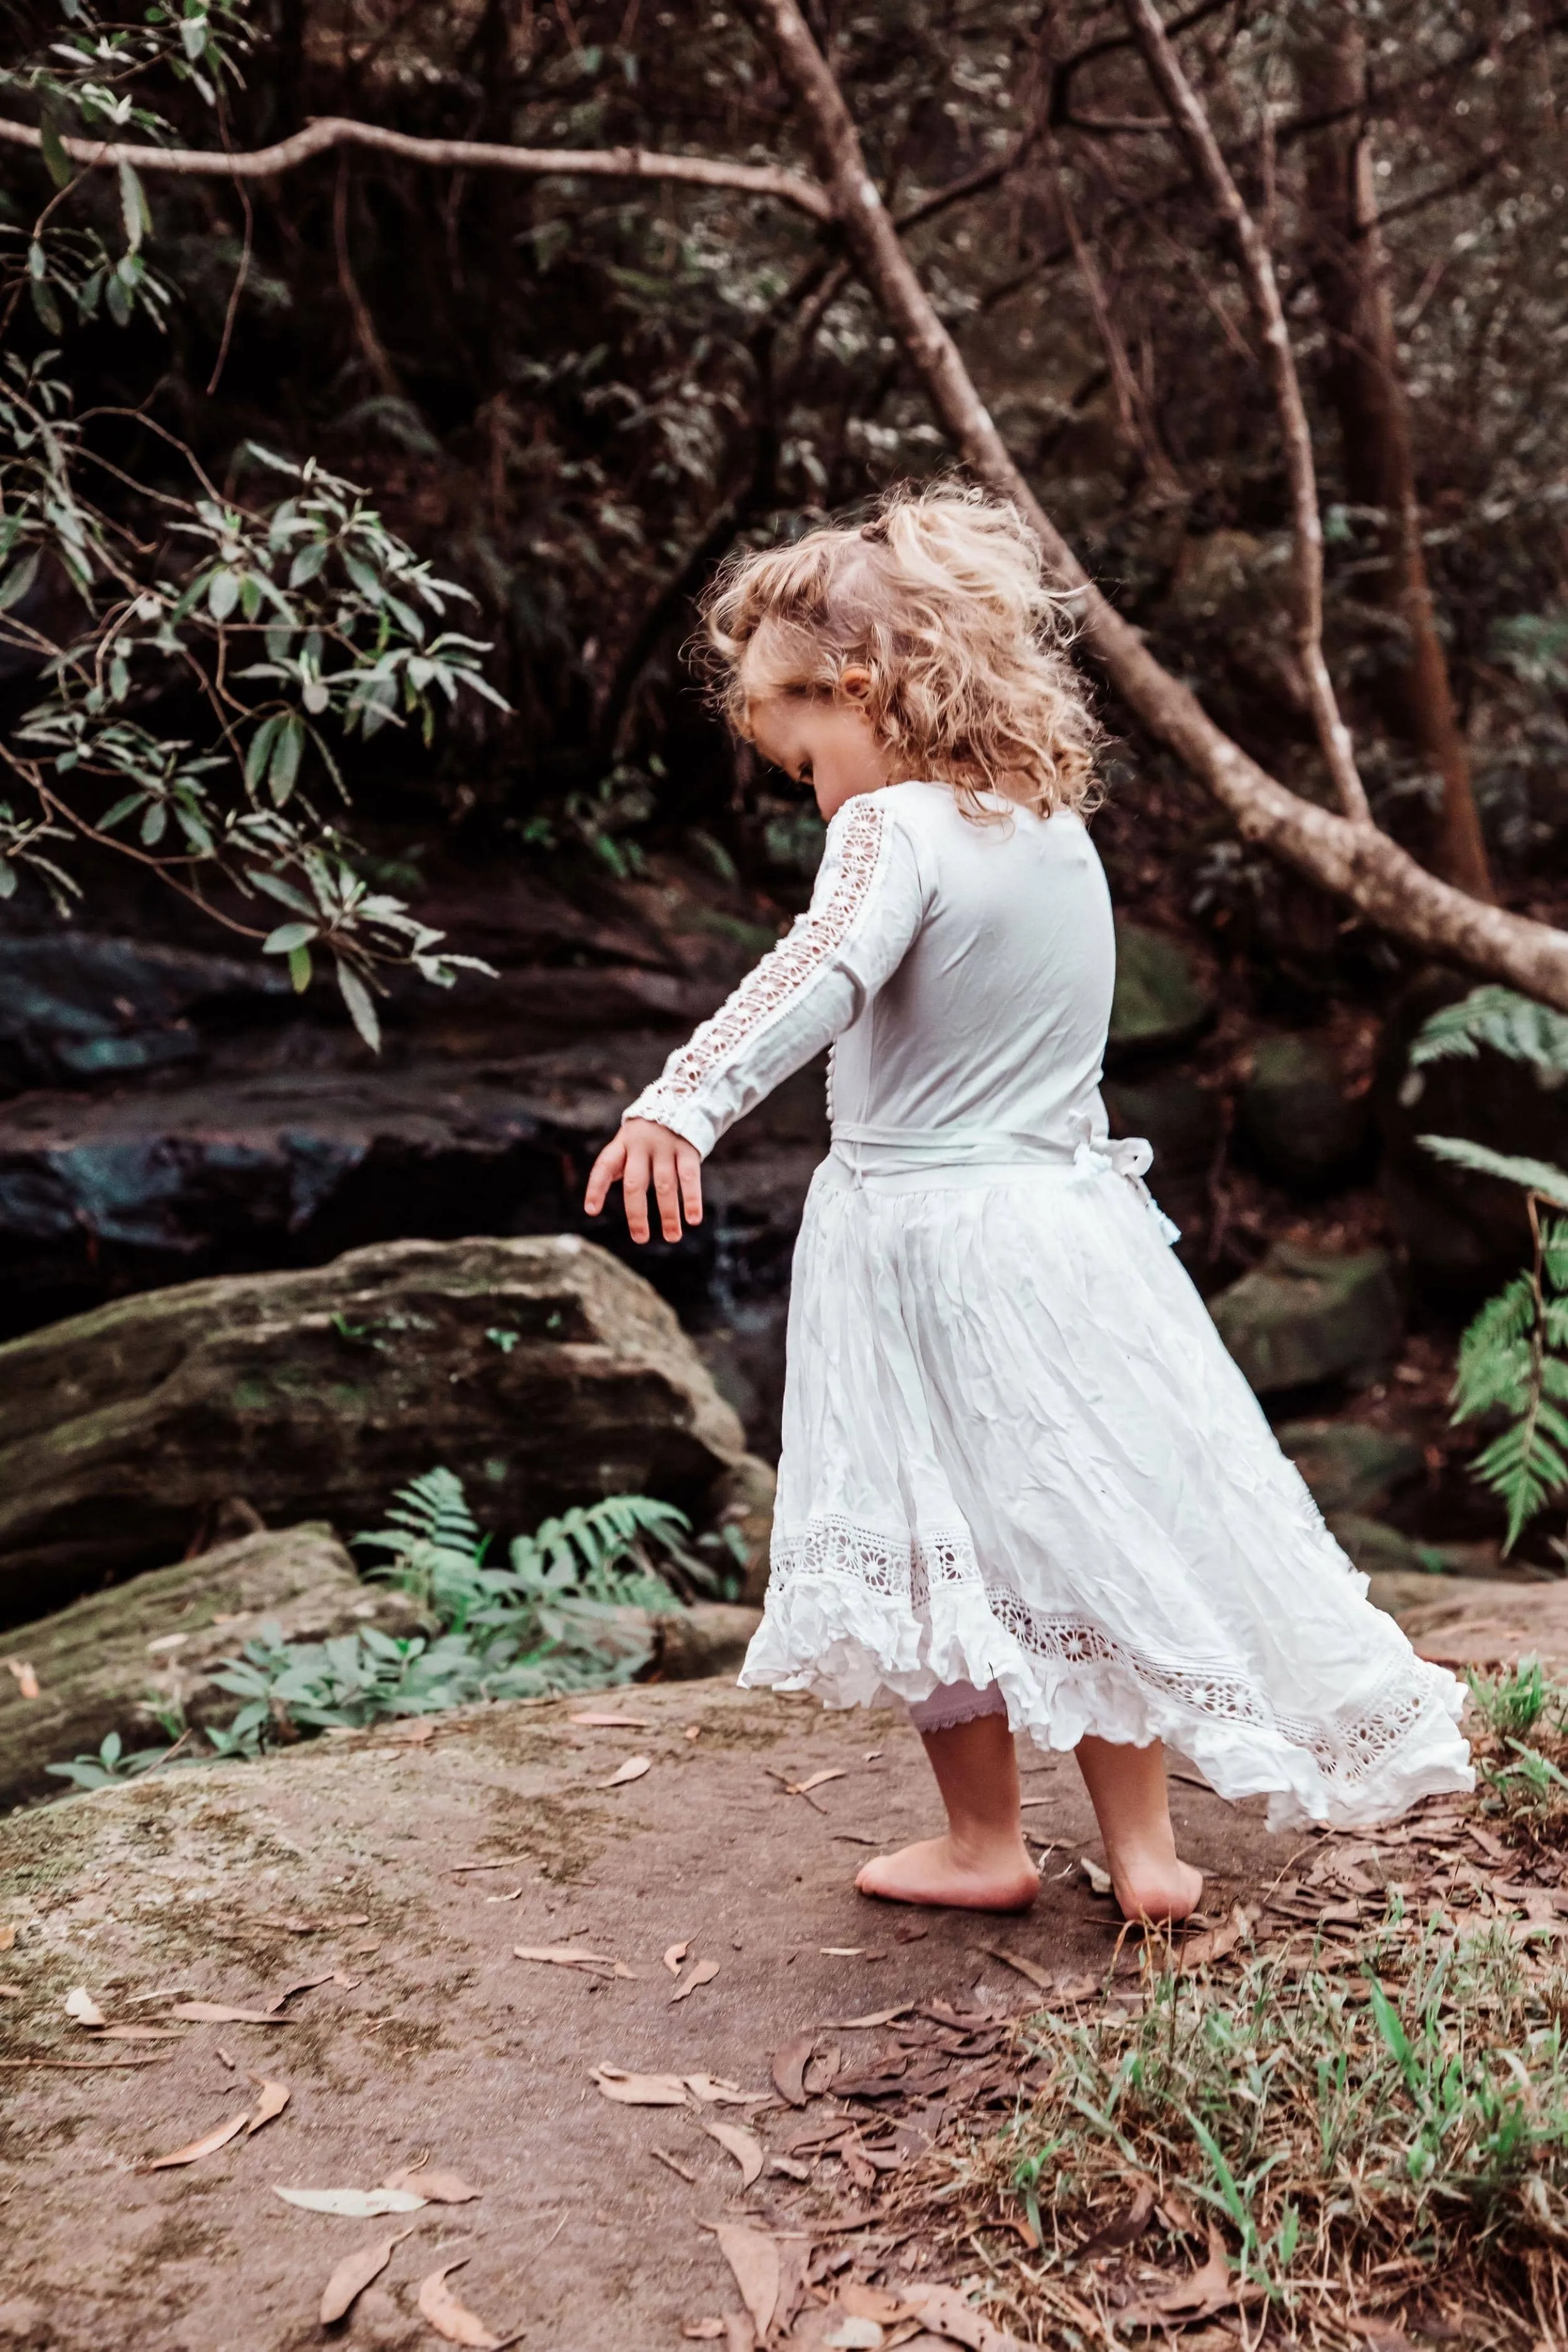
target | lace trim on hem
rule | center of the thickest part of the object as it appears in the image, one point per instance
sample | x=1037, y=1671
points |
x=1347, y=1748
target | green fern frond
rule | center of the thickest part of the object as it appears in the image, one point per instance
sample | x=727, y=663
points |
x=1525, y=1469
x=1497, y=1354
x=1509, y=1024
x=1531, y=1175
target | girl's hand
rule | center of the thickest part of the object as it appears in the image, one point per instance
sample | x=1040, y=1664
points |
x=644, y=1149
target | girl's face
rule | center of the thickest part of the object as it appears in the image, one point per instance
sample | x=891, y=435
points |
x=828, y=745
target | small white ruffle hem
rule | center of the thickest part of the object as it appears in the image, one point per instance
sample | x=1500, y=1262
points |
x=1016, y=1452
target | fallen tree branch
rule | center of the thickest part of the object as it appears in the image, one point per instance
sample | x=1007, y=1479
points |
x=1212, y=171
x=466, y=154
x=1352, y=859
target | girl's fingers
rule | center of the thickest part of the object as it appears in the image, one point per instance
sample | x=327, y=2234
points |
x=667, y=1187
x=633, y=1191
x=691, y=1171
x=606, y=1169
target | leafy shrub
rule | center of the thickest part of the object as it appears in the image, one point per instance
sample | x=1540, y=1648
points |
x=555, y=1619
x=1513, y=1359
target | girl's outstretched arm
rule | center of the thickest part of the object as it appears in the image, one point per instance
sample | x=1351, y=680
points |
x=644, y=1153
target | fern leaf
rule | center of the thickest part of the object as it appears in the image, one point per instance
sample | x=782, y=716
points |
x=1531, y=1175
x=1509, y=1024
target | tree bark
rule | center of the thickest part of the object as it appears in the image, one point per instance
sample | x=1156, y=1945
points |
x=1364, y=382
x=1355, y=861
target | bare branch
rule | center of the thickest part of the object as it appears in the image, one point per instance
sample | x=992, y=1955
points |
x=1210, y=168
x=468, y=155
x=1353, y=860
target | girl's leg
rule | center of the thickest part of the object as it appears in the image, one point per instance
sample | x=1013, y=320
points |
x=1127, y=1789
x=983, y=1863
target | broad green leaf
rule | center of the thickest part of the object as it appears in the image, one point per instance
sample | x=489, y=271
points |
x=134, y=207
x=153, y=824
x=299, y=969
x=308, y=562
x=288, y=937
x=360, y=1004
x=57, y=164
x=222, y=593
x=46, y=306
x=285, y=767
x=261, y=751
x=18, y=580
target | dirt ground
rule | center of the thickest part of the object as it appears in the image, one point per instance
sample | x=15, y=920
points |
x=433, y=2040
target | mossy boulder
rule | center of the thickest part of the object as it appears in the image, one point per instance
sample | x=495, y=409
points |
x=542, y=1371
x=1350, y=1466
x=1160, y=1002
x=1295, y=1119
x=112, y=1660
x=1303, y=1317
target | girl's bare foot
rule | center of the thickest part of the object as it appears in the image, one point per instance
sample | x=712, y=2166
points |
x=1127, y=1787
x=996, y=1876
x=1153, y=1890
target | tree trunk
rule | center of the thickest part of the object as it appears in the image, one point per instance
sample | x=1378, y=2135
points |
x=1357, y=861
x=1349, y=269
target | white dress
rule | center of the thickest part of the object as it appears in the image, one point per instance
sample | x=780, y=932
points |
x=1015, y=1451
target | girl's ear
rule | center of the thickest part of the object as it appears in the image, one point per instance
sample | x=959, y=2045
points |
x=855, y=683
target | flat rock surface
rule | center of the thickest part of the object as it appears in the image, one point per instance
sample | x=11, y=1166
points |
x=435, y=2039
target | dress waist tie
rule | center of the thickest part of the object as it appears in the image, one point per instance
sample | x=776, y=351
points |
x=1082, y=1157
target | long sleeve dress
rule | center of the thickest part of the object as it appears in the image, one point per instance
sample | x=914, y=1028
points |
x=1015, y=1451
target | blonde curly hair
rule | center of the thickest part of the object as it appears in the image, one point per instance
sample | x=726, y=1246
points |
x=940, y=599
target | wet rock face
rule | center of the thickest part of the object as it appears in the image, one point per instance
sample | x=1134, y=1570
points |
x=76, y=1006
x=541, y=1372
x=1301, y=1317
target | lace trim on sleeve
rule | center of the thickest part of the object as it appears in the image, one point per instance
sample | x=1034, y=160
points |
x=786, y=971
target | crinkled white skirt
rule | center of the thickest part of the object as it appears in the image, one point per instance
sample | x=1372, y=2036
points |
x=1015, y=1451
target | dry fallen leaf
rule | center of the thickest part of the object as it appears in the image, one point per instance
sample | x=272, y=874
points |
x=640, y=2090
x=1214, y=1944
x=743, y=2146
x=1099, y=1879
x=26, y=1679
x=717, y=2091
x=1025, y=1968
x=453, y=2319
x=816, y=1781
x=944, y=2312
x=601, y=1722
x=842, y=1951
x=703, y=2331
x=870, y=2303
x=1198, y=2296
x=753, y=2257
x=7, y=1936
x=355, y=2204
x=273, y=2100
x=80, y=2004
x=675, y=1954
x=354, y=2273
x=436, y=2188
x=573, y=1955
x=218, y=2012
x=851, y=2332
x=214, y=2140
x=141, y=2033
x=703, y=1973
x=788, y=2067
x=632, y=1770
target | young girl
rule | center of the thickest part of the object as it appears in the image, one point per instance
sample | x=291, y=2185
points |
x=1024, y=1487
